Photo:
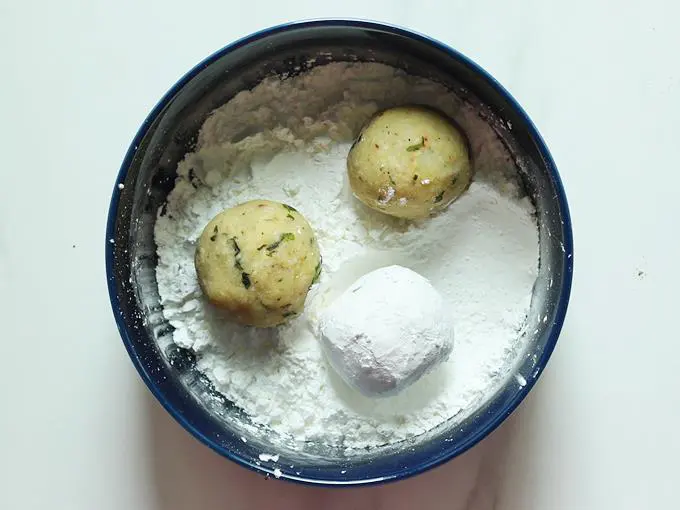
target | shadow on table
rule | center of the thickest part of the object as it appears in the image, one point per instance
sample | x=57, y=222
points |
x=188, y=475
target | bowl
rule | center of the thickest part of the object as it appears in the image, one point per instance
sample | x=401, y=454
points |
x=148, y=174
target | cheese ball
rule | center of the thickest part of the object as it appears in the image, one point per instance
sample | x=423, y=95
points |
x=409, y=162
x=257, y=261
x=386, y=331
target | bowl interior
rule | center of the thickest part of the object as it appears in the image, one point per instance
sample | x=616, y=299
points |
x=148, y=175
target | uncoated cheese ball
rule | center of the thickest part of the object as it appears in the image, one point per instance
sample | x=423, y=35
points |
x=257, y=261
x=409, y=162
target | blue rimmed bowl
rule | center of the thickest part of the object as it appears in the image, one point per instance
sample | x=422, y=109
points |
x=148, y=175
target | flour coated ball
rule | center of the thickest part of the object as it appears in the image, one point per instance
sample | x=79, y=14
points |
x=257, y=261
x=409, y=162
x=386, y=331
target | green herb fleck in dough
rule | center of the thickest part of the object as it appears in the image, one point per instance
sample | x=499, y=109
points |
x=290, y=216
x=317, y=272
x=391, y=180
x=415, y=177
x=271, y=248
x=214, y=236
x=265, y=306
x=237, y=249
x=289, y=208
x=287, y=314
x=416, y=146
x=286, y=236
x=439, y=197
x=261, y=247
x=453, y=181
x=245, y=279
x=237, y=252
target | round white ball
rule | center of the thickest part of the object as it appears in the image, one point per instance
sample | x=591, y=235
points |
x=386, y=331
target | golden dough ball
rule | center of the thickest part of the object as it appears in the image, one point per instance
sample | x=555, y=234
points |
x=409, y=162
x=257, y=261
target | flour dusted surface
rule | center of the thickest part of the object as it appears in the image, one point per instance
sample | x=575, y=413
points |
x=386, y=331
x=287, y=141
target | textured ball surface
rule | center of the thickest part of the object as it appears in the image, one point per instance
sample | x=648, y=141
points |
x=257, y=261
x=409, y=162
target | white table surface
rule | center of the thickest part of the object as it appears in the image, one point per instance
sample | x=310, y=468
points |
x=600, y=431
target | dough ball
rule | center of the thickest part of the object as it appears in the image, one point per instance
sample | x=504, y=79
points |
x=257, y=261
x=386, y=331
x=409, y=162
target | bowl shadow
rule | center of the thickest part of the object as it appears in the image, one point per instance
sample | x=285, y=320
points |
x=187, y=474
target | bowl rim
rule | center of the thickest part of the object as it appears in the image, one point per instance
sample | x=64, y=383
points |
x=456, y=448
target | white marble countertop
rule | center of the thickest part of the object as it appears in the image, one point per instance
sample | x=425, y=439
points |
x=78, y=430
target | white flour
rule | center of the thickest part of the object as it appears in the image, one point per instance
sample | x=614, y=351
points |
x=287, y=141
x=387, y=330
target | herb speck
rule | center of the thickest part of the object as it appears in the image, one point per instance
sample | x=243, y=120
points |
x=286, y=236
x=245, y=279
x=416, y=146
x=237, y=249
x=317, y=272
